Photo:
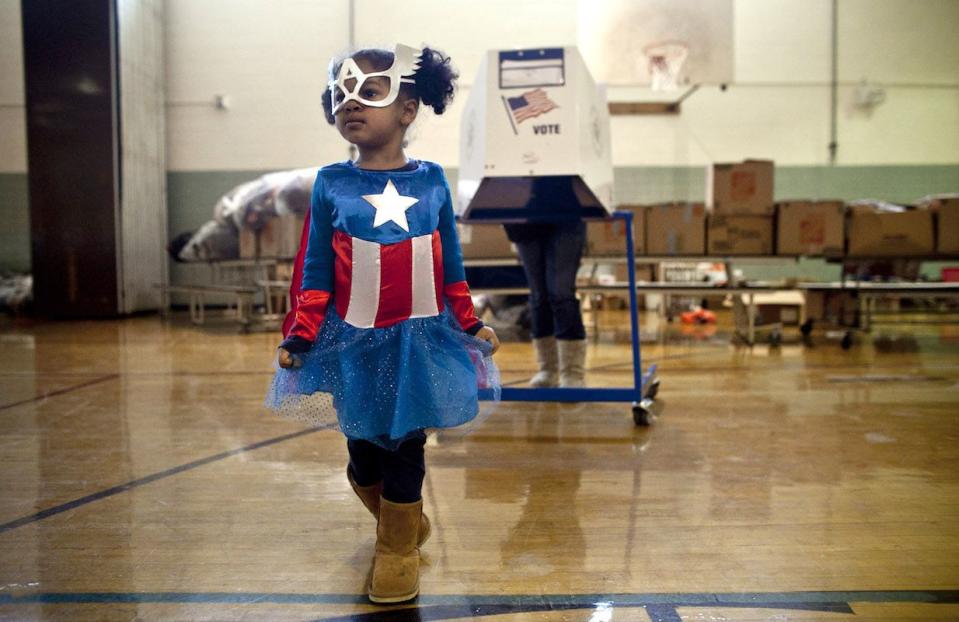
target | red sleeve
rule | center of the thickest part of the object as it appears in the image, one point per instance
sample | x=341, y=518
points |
x=296, y=282
x=307, y=306
x=310, y=312
x=461, y=303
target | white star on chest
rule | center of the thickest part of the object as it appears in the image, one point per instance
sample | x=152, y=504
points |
x=390, y=205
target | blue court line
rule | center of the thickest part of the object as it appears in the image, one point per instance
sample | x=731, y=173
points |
x=82, y=385
x=109, y=492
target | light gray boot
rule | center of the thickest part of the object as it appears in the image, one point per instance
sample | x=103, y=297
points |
x=572, y=360
x=548, y=360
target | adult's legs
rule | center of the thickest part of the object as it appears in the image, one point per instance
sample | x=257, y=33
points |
x=563, y=252
x=562, y=262
x=532, y=253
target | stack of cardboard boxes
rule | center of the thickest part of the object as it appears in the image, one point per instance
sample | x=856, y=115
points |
x=740, y=218
x=740, y=197
x=946, y=209
x=484, y=241
x=608, y=238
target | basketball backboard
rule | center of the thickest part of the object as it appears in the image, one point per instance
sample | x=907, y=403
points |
x=625, y=42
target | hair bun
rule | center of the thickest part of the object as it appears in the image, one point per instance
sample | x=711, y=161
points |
x=435, y=80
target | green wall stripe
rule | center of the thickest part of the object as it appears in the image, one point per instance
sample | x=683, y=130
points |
x=15, y=219
x=192, y=195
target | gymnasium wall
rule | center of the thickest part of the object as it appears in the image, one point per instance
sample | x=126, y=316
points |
x=14, y=210
x=269, y=58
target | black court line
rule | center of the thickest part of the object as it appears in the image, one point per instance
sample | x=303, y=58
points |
x=142, y=374
x=82, y=385
x=661, y=607
x=109, y=492
x=43, y=374
x=659, y=612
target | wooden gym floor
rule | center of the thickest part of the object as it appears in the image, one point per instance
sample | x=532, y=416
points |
x=141, y=479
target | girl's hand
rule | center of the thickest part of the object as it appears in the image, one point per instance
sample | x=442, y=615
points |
x=488, y=334
x=286, y=359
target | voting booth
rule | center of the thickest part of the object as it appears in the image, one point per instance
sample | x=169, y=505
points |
x=534, y=118
x=535, y=148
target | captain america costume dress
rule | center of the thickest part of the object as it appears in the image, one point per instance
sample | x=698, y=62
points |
x=382, y=318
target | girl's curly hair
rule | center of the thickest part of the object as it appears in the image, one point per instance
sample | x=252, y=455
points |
x=435, y=79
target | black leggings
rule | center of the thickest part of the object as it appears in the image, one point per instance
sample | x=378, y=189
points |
x=401, y=471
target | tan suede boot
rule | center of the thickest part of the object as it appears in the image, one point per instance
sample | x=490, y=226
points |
x=396, y=565
x=370, y=496
x=572, y=362
x=547, y=360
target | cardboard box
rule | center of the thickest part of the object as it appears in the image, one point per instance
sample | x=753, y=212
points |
x=815, y=305
x=676, y=229
x=947, y=224
x=743, y=188
x=608, y=238
x=740, y=235
x=644, y=274
x=815, y=228
x=485, y=241
x=889, y=234
x=831, y=307
x=780, y=307
x=279, y=237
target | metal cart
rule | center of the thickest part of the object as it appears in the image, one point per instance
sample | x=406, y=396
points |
x=866, y=294
x=645, y=384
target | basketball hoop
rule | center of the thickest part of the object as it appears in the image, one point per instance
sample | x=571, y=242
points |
x=665, y=61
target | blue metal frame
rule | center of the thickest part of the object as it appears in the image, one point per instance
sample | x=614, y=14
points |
x=640, y=380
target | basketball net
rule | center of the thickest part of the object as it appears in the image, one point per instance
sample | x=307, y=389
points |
x=665, y=61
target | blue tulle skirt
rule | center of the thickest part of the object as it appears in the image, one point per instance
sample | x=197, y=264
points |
x=385, y=385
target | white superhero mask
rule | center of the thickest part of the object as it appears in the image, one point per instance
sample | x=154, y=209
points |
x=380, y=93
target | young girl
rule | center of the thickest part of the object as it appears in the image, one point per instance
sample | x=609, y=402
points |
x=382, y=318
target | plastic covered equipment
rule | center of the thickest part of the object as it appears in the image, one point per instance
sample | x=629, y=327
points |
x=250, y=205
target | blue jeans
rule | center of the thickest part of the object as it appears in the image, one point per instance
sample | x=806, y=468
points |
x=550, y=259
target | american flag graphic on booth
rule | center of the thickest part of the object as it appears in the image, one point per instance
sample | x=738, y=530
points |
x=529, y=105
